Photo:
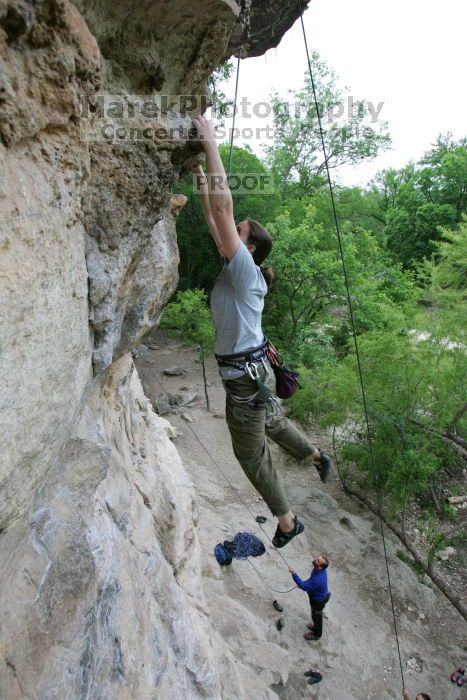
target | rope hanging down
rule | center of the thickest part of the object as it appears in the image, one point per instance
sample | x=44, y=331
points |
x=233, y=118
x=354, y=334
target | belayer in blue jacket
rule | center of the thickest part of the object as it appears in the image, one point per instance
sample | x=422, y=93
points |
x=317, y=588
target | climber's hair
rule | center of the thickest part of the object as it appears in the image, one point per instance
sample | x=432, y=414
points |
x=424, y=696
x=262, y=240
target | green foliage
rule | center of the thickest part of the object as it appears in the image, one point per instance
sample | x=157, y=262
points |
x=190, y=315
x=309, y=285
x=419, y=200
x=449, y=512
x=458, y=540
x=412, y=390
x=308, y=277
x=444, y=281
x=411, y=233
x=298, y=406
x=315, y=346
x=415, y=566
x=221, y=102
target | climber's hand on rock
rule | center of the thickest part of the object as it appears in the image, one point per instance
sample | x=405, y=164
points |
x=205, y=129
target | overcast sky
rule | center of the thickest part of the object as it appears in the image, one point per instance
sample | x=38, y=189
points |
x=408, y=54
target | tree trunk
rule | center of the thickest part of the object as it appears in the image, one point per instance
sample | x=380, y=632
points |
x=435, y=498
x=208, y=405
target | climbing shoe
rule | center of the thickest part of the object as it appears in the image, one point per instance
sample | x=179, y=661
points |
x=280, y=623
x=280, y=539
x=277, y=606
x=310, y=674
x=457, y=674
x=315, y=679
x=324, y=467
x=310, y=636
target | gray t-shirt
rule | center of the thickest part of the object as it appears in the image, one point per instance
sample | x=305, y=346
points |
x=237, y=302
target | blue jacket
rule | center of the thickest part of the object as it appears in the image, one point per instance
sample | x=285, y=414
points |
x=316, y=586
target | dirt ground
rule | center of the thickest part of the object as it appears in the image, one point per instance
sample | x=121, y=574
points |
x=357, y=654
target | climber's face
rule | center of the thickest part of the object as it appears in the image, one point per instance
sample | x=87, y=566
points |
x=319, y=562
x=243, y=230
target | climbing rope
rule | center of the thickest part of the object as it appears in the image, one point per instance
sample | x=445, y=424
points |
x=233, y=118
x=354, y=333
x=276, y=590
x=246, y=33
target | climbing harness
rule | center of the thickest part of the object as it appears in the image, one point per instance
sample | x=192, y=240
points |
x=267, y=356
x=240, y=360
x=248, y=362
x=354, y=333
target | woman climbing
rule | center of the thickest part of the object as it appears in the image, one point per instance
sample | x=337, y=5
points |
x=237, y=300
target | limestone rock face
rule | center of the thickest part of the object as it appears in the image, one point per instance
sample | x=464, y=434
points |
x=97, y=543
x=100, y=587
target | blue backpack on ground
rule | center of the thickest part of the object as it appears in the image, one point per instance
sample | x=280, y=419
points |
x=222, y=555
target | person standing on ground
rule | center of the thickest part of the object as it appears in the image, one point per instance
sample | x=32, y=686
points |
x=318, y=594
x=237, y=301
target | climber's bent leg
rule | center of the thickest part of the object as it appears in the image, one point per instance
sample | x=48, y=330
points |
x=246, y=424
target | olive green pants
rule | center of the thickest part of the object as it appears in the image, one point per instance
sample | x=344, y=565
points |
x=249, y=423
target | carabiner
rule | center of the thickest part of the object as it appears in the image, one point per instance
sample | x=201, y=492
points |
x=252, y=371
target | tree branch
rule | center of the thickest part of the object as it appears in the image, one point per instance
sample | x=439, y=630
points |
x=455, y=441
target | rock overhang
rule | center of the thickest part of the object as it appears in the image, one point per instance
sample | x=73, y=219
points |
x=174, y=47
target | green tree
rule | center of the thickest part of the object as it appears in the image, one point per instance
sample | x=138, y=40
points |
x=414, y=370
x=307, y=276
x=412, y=386
x=422, y=198
x=309, y=285
x=296, y=155
x=444, y=292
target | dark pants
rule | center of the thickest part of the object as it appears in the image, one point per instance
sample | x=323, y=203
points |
x=317, y=616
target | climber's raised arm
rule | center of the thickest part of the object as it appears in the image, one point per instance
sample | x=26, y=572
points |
x=204, y=198
x=220, y=198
